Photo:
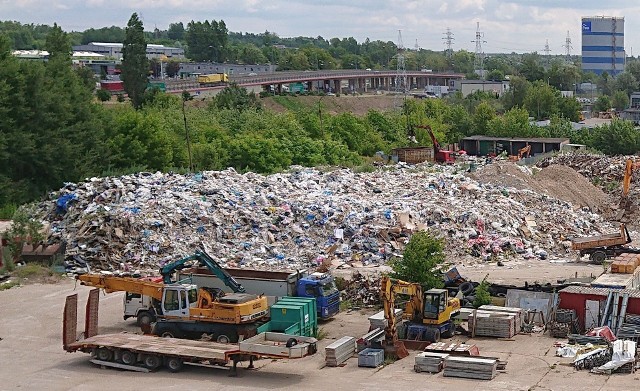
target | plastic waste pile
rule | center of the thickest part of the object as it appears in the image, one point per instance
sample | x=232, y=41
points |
x=302, y=218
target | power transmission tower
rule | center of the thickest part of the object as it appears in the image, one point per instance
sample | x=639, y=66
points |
x=417, y=47
x=567, y=47
x=448, y=40
x=478, y=63
x=401, y=73
x=547, y=51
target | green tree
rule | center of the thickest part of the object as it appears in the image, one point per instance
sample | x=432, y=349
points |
x=603, y=103
x=482, y=116
x=58, y=45
x=176, y=31
x=135, y=66
x=541, y=101
x=172, y=68
x=620, y=100
x=421, y=261
x=626, y=82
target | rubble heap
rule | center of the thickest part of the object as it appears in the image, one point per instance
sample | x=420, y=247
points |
x=303, y=217
x=605, y=171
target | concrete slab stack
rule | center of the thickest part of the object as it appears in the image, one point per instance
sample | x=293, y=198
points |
x=430, y=362
x=340, y=351
x=470, y=368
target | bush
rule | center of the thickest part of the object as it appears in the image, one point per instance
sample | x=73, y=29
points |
x=120, y=98
x=482, y=295
x=103, y=95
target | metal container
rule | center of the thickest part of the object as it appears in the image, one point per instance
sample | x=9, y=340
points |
x=371, y=358
x=308, y=306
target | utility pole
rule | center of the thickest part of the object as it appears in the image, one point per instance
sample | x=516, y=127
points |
x=568, y=47
x=478, y=63
x=547, y=51
x=448, y=40
x=401, y=73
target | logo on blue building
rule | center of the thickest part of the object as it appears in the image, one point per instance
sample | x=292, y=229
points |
x=586, y=26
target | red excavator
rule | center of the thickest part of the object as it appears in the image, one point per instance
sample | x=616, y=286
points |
x=439, y=155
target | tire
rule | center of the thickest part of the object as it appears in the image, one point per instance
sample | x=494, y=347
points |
x=144, y=318
x=598, y=256
x=151, y=361
x=466, y=288
x=168, y=334
x=174, y=364
x=291, y=342
x=104, y=354
x=449, y=333
x=223, y=339
x=128, y=358
x=432, y=334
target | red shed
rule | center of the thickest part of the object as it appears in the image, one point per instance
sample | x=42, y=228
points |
x=112, y=85
x=589, y=302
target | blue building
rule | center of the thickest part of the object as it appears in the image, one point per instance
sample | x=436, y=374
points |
x=603, y=45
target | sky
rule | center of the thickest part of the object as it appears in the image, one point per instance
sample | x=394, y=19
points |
x=507, y=26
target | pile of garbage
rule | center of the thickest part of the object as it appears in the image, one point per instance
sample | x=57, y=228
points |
x=361, y=291
x=303, y=218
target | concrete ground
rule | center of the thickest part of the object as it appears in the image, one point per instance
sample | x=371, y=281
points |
x=31, y=358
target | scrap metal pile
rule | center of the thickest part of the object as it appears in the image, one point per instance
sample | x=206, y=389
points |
x=303, y=218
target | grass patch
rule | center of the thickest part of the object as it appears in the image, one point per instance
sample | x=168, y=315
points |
x=364, y=168
x=389, y=360
x=288, y=102
x=31, y=270
x=322, y=334
x=8, y=285
x=345, y=305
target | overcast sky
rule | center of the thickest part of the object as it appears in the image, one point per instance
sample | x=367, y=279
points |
x=517, y=25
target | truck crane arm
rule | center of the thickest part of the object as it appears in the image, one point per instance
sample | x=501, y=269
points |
x=629, y=168
x=119, y=284
x=434, y=140
x=205, y=260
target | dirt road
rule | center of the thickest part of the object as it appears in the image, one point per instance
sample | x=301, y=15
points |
x=31, y=358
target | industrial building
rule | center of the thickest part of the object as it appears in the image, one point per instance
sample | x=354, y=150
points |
x=603, y=45
x=485, y=145
x=114, y=50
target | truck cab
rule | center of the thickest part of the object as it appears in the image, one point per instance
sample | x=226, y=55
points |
x=322, y=287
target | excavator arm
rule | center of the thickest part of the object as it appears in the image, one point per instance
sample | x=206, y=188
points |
x=434, y=140
x=120, y=284
x=629, y=168
x=389, y=289
x=205, y=260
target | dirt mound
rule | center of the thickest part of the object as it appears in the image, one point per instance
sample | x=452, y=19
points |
x=557, y=181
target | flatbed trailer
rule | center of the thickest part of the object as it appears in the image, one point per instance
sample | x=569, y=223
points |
x=145, y=353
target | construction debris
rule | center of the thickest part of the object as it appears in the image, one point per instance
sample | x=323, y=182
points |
x=429, y=362
x=340, y=351
x=362, y=291
x=470, y=367
x=303, y=218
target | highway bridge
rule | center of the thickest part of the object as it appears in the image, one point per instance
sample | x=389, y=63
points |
x=343, y=81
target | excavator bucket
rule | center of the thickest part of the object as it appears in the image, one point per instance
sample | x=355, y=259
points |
x=396, y=351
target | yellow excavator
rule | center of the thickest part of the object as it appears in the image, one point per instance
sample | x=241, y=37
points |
x=186, y=311
x=428, y=313
x=630, y=167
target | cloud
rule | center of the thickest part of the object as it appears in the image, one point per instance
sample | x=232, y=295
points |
x=513, y=25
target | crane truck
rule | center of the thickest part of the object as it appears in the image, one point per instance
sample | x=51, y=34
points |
x=186, y=311
x=141, y=306
x=440, y=155
x=427, y=315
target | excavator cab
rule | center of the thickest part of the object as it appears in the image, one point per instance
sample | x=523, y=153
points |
x=435, y=303
x=177, y=299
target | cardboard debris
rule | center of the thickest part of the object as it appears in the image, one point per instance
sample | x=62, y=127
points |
x=302, y=218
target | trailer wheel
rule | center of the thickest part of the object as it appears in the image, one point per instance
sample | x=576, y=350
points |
x=151, y=361
x=291, y=342
x=127, y=357
x=223, y=339
x=104, y=354
x=598, y=256
x=168, y=334
x=174, y=364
